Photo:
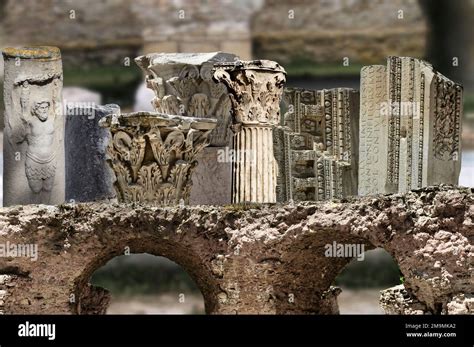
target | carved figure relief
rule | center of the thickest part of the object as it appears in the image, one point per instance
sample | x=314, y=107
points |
x=35, y=126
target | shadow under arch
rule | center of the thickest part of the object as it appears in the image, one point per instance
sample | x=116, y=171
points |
x=94, y=300
x=141, y=283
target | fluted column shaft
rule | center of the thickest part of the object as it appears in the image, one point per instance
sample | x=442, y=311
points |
x=255, y=89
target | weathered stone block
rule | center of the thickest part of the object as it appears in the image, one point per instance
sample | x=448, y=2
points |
x=212, y=178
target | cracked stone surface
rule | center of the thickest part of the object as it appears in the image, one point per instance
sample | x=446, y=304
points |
x=265, y=258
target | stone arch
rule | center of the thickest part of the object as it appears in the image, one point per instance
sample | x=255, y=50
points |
x=246, y=259
x=95, y=300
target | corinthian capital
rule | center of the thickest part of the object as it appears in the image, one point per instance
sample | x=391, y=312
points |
x=255, y=89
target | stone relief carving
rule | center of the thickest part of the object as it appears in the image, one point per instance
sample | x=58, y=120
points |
x=153, y=155
x=255, y=90
x=37, y=115
x=316, y=147
x=34, y=125
x=183, y=85
x=447, y=119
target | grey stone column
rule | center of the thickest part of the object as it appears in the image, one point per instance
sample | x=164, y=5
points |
x=34, y=127
x=88, y=177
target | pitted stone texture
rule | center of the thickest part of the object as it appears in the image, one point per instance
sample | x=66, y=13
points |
x=397, y=300
x=245, y=259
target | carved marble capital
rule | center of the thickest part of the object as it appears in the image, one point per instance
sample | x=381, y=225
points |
x=153, y=155
x=183, y=85
x=255, y=89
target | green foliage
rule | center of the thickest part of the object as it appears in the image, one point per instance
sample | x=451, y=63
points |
x=468, y=102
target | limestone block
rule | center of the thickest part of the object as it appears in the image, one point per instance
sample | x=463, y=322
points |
x=88, y=177
x=34, y=127
x=397, y=300
x=410, y=132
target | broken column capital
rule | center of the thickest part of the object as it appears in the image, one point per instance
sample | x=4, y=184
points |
x=255, y=88
x=183, y=85
x=153, y=155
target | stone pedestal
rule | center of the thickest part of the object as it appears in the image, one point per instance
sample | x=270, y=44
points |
x=153, y=155
x=88, y=177
x=34, y=127
x=410, y=127
x=255, y=91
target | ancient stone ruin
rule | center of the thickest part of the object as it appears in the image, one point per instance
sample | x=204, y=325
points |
x=216, y=135
x=255, y=91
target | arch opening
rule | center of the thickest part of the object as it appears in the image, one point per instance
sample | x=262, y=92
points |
x=362, y=279
x=145, y=284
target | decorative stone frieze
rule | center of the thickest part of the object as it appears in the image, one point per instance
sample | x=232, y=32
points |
x=410, y=127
